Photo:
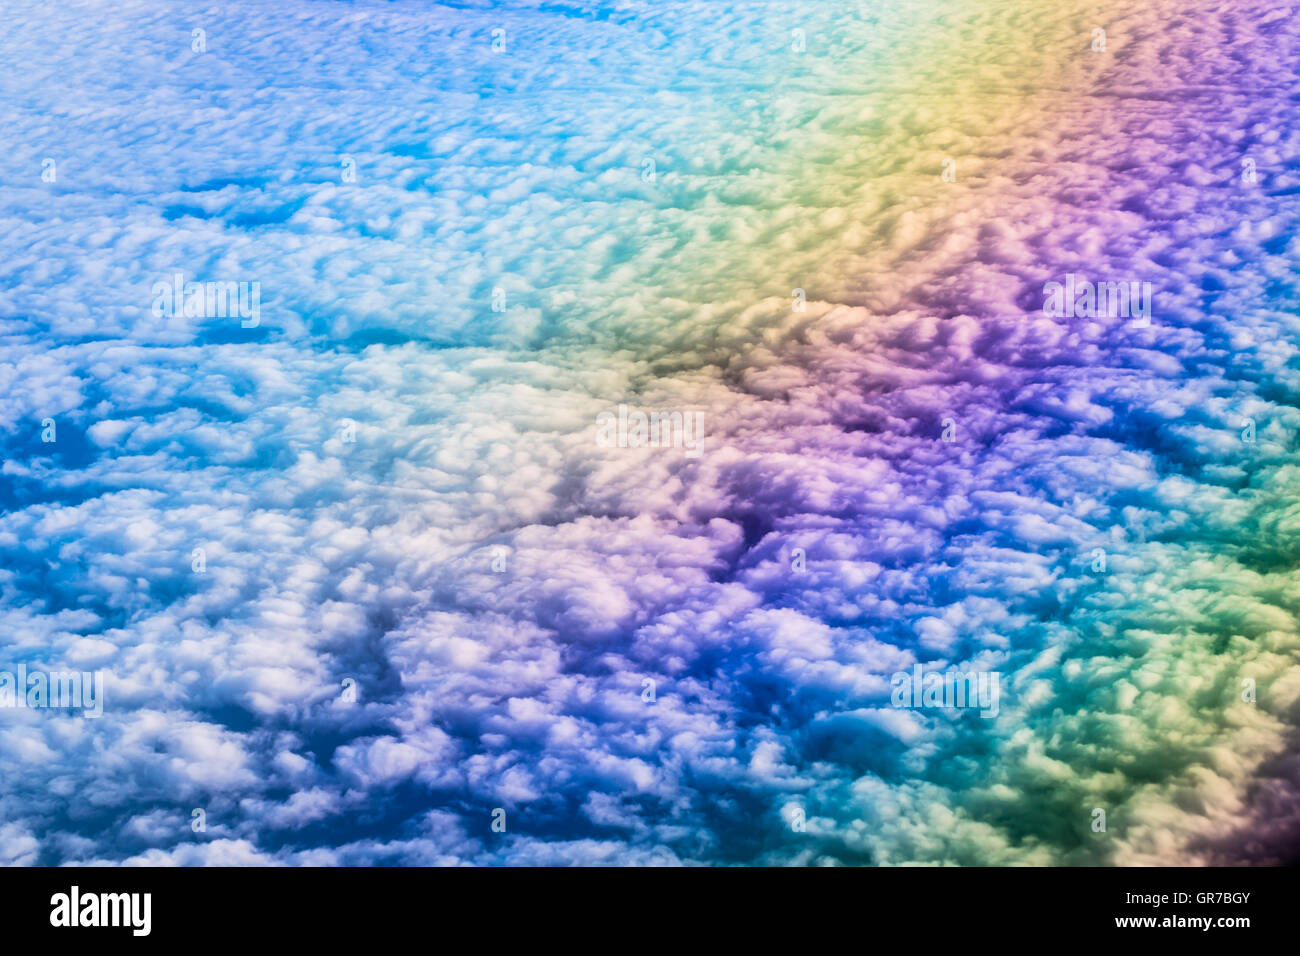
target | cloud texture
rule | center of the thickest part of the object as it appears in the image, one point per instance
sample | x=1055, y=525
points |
x=642, y=657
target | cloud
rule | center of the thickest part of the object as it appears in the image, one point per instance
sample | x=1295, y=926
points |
x=361, y=575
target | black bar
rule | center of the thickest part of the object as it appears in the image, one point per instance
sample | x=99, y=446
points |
x=950, y=906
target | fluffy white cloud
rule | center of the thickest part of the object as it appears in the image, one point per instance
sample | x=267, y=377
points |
x=362, y=574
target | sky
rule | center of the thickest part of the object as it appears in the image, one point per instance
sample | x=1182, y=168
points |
x=370, y=583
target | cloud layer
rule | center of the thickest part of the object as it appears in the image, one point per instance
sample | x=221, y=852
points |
x=365, y=581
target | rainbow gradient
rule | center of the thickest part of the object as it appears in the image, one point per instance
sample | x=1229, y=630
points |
x=370, y=584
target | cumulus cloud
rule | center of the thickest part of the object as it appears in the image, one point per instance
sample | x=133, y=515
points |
x=369, y=590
